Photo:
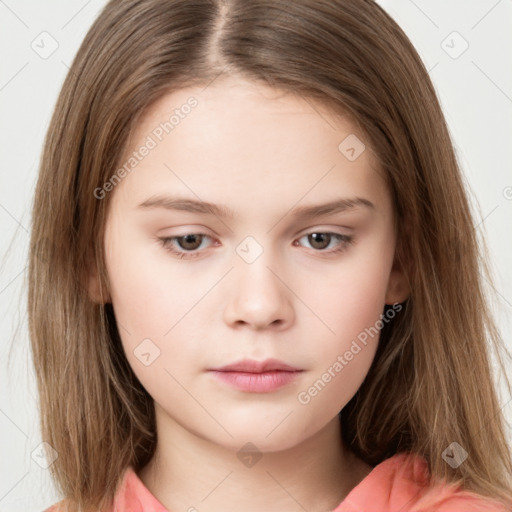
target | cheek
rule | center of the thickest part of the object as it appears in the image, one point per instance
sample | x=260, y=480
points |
x=350, y=297
x=159, y=309
x=151, y=312
x=351, y=307
x=146, y=294
x=350, y=303
x=149, y=295
x=339, y=376
x=142, y=300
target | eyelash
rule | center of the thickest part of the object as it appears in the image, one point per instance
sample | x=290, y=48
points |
x=167, y=241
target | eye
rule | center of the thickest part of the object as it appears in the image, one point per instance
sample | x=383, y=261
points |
x=188, y=246
x=185, y=246
x=321, y=241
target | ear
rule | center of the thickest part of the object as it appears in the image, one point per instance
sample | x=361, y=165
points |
x=96, y=292
x=399, y=289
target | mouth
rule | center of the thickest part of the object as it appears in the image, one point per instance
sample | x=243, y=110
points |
x=257, y=376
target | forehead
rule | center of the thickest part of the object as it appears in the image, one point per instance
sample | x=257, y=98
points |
x=248, y=144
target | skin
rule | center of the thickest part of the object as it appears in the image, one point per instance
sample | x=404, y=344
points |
x=262, y=153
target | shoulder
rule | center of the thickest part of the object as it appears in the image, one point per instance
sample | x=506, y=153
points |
x=468, y=502
x=403, y=483
x=131, y=496
x=439, y=496
x=61, y=506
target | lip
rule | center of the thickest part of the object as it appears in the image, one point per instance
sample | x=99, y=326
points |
x=253, y=366
x=257, y=376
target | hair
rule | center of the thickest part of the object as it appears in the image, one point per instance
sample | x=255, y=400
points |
x=431, y=381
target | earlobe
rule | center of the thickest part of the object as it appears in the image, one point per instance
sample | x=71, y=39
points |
x=398, y=289
x=96, y=292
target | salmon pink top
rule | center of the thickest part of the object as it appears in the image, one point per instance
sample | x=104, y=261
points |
x=398, y=484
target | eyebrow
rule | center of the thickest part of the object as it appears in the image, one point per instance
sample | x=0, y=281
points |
x=222, y=211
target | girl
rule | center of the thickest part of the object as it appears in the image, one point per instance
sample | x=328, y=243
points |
x=254, y=278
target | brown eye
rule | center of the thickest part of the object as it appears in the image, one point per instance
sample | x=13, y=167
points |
x=319, y=240
x=189, y=242
x=325, y=242
x=186, y=246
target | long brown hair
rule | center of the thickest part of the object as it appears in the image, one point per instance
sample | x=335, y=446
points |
x=431, y=382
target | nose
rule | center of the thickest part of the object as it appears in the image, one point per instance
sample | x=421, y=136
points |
x=260, y=298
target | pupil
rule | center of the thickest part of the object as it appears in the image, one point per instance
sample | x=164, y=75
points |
x=317, y=240
x=190, y=241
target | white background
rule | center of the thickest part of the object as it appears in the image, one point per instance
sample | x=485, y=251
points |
x=475, y=90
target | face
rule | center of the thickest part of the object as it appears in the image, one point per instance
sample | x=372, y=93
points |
x=266, y=271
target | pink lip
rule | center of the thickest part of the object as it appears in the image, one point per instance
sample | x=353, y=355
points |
x=257, y=376
x=253, y=366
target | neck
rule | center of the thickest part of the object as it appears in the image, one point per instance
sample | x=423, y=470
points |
x=188, y=472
